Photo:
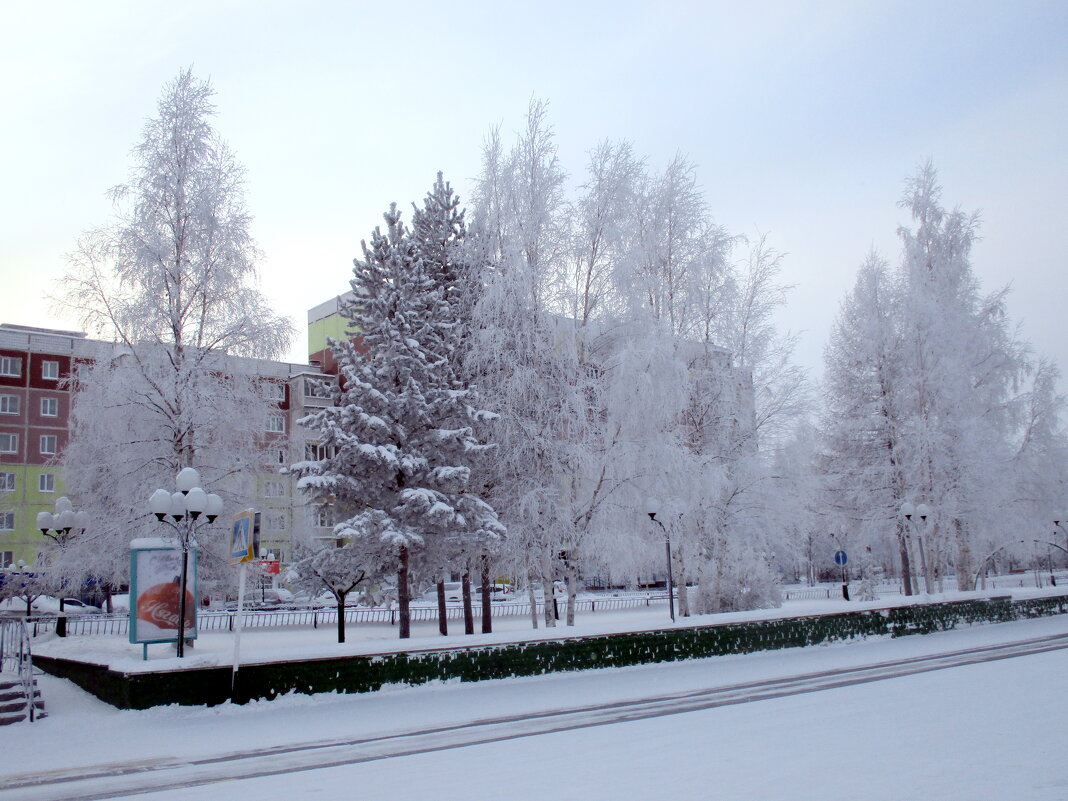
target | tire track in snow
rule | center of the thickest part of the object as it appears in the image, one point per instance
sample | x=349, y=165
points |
x=124, y=779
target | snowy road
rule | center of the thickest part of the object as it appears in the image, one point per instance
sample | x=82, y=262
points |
x=169, y=775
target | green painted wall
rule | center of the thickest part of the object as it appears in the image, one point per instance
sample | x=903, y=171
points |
x=334, y=326
x=26, y=501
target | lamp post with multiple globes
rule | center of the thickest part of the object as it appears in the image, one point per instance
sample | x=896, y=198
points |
x=186, y=512
x=908, y=511
x=60, y=527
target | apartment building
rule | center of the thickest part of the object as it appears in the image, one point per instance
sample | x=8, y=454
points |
x=35, y=405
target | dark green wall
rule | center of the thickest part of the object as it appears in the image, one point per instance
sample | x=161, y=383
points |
x=353, y=674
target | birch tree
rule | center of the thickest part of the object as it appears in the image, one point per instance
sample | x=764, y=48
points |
x=171, y=281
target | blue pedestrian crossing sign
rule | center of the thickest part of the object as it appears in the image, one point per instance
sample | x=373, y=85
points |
x=840, y=558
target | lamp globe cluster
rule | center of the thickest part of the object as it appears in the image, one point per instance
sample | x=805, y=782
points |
x=190, y=500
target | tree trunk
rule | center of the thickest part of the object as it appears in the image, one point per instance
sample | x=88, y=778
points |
x=965, y=570
x=108, y=605
x=340, y=616
x=487, y=610
x=906, y=569
x=403, y=596
x=547, y=592
x=532, y=600
x=443, y=622
x=718, y=568
x=469, y=616
x=680, y=584
x=572, y=591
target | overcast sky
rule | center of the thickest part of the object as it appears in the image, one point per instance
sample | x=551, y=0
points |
x=804, y=120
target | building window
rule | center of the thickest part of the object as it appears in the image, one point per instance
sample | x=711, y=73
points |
x=324, y=517
x=9, y=443
x=10, y=366
x=50, y=370
x=7, y=482
x=276, y=424
x=7, y=521
x=48, y=444
x=9, y=404
x=273, y=489
x=275, y=391
x=317, y=388
x=46, y=482
x=7, y=558
x=275, y=521
x=317, y=451
x=49, y=407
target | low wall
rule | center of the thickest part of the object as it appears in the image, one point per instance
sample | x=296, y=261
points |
x=352, y=674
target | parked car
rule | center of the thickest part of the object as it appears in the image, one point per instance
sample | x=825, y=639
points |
x=323, y=599
x=48, y=605
x=272, y=596
x=454, y=591
x=498, y=592
x=559, y=590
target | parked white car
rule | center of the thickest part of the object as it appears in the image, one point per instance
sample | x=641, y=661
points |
x=454, y=591
x=47, y=605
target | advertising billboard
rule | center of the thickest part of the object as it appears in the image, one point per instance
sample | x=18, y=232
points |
x=155, y=592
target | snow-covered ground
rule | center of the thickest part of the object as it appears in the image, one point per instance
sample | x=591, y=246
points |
x=988, y=731
x=263, y=645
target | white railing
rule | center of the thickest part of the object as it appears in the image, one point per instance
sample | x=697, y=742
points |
x=16, y=659
x=287, y=618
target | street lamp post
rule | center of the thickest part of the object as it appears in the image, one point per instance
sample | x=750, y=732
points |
x=1060, y=521
x=60, y=527
x=652, y=508
x=908, y=511
x=181, y=511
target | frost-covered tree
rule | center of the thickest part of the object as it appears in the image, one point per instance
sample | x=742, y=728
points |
x=863, y=428
x=340, y=566
x=439, y=234
x=520, y=229
x=924, y=399
x=570, y=339
x=402, y=430
x=171, y=282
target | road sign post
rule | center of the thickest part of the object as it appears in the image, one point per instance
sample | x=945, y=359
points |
x=244, y=547
x=842, y=559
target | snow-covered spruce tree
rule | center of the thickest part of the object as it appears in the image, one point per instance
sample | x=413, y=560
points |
x=439, y=233
x=401, y=429
x=171, y=282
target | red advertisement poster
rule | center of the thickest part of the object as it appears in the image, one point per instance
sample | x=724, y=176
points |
x=156, y=593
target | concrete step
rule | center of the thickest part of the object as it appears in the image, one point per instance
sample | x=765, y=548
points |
x=13, y=705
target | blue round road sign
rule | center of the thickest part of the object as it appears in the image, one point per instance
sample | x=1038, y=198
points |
x=840, y=558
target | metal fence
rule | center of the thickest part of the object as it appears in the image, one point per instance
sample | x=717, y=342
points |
x=90, y=625
x=812, y=594
x=16, y=661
